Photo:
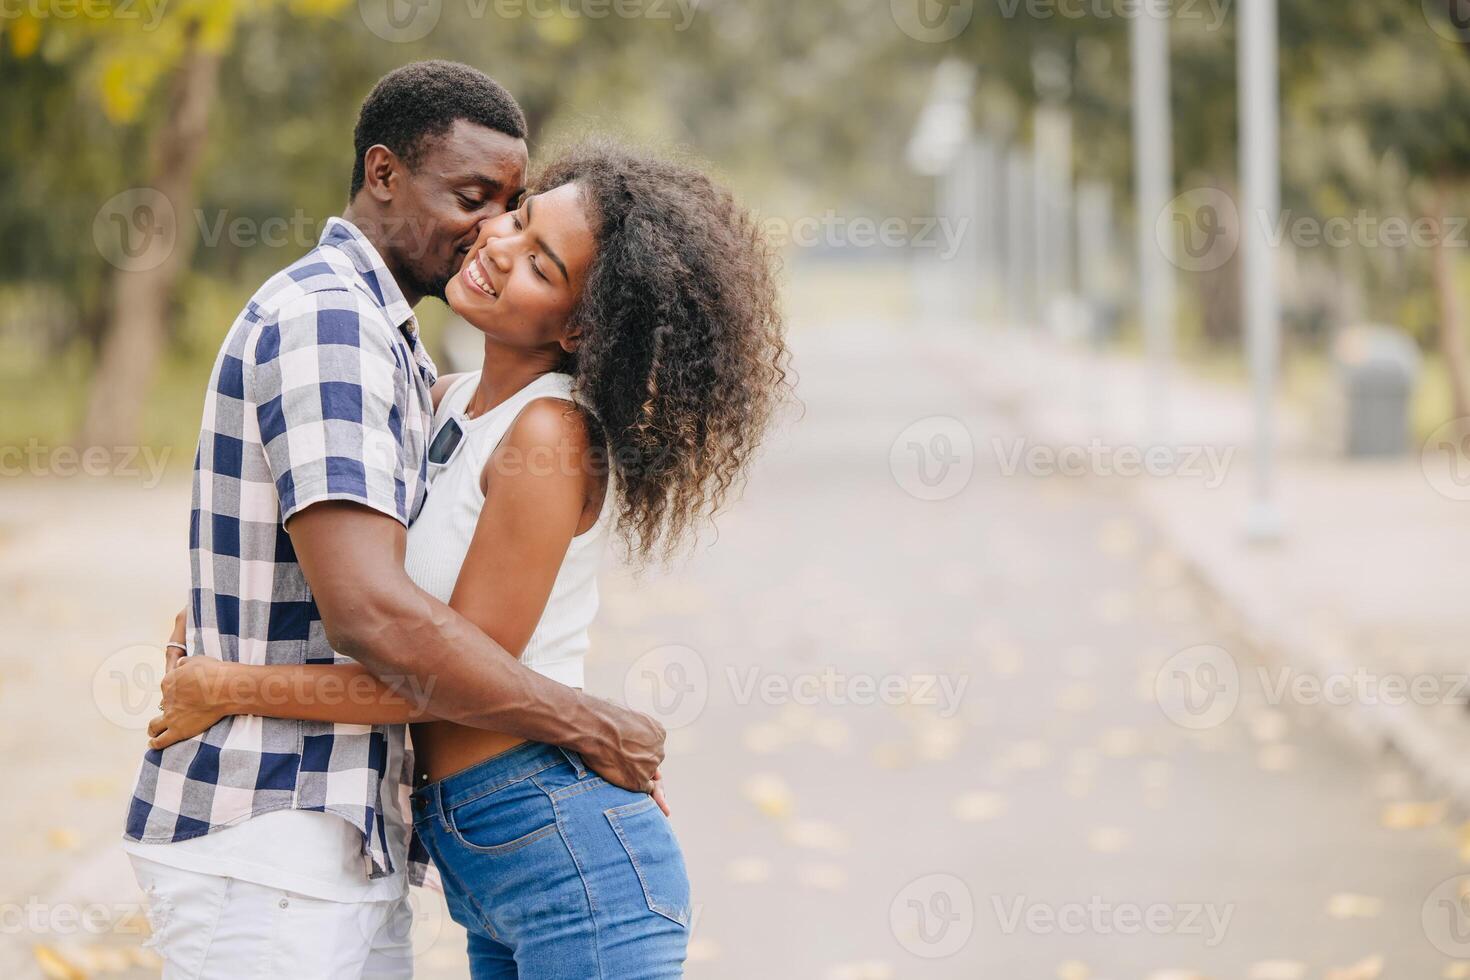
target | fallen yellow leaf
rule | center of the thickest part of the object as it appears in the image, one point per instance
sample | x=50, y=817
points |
x=1368, y=969
x=1412, y=816
x=55, y=966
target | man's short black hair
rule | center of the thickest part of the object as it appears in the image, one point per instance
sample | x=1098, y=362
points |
x=416, y=103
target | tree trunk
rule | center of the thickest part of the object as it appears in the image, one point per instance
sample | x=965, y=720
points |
x=134, y=338
x=1219, y=287
x=1451, y=330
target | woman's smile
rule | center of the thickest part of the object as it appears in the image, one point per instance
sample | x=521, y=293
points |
x=476, y=275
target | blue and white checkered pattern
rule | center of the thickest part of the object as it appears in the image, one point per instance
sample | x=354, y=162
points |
x=321, y=392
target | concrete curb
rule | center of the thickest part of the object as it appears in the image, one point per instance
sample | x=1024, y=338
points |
x=1374, y=728
x=1441, y=762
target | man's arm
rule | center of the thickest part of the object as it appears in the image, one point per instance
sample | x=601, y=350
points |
x=353, y=560
x=324, y=377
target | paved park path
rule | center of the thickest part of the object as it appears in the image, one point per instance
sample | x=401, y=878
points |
x=915, y=737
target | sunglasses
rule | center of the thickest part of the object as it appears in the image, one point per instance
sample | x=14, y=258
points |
x=446, y=442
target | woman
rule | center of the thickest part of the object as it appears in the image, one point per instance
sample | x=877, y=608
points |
x=633, y=356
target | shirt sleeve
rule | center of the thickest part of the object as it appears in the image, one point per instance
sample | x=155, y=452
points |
x=324, y=378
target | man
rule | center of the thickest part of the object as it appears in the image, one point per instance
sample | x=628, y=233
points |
x=275, y=847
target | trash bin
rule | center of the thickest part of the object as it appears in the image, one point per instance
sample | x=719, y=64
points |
x=1378, y=368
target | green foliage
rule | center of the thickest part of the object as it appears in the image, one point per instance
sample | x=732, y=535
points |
x=805, y=107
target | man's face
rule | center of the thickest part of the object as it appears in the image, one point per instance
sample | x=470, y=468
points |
x=464, y=177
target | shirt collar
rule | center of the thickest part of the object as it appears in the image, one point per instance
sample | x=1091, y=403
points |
x=344, y=236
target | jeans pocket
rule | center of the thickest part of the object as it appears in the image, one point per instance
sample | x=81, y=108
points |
x=505, y=821
x=657, y=860
x=183, y=909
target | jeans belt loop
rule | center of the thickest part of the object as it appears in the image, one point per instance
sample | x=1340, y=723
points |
x=576, y=762
x=438, y=790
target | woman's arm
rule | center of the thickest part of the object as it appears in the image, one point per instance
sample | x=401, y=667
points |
x=199, y=691
x=538, y=495
x=534, y=505
x=442, y=385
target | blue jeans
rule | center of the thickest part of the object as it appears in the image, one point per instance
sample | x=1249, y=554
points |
x=556, y=874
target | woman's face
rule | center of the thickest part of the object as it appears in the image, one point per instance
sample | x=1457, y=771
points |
x=525, y=273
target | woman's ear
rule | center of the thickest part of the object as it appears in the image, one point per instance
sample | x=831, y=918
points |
x=572, y=339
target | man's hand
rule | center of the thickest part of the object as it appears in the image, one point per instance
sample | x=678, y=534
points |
x=658, y=794
x=631, y=754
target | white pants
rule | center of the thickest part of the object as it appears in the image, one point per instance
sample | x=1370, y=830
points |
x=207, y=927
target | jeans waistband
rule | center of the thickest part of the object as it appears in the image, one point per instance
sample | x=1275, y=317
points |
x=489, y=775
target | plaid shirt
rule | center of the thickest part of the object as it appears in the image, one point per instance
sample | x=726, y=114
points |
x=321, y=392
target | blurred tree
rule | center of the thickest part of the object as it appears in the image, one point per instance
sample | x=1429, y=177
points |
x=125, y=53
x=1403, y=85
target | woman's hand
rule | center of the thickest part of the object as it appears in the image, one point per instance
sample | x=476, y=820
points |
x=195, y=697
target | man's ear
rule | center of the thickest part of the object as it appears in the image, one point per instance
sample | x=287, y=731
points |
x=381, y=170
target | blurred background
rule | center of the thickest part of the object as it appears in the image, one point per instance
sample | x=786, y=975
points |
x=1099, y=613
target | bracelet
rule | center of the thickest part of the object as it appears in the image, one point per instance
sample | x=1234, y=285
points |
x=177, y=646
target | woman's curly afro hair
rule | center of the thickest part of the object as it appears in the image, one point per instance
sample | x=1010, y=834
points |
x=682, y=359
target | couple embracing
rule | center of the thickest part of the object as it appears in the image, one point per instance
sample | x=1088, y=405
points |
x=375, y=548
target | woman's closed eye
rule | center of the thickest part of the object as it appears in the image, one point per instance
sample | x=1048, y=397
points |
x=531, y=257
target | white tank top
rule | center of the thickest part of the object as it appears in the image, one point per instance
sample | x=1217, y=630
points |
x=440, y=537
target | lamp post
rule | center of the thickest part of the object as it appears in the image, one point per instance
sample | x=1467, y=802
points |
x=939, y=148
x=1153, y=167
x=1260, y=168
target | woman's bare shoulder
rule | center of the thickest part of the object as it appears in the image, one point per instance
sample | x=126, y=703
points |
x=441, y=386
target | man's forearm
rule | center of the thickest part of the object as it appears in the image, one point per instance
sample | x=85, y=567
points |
x=449, y=669
x=353, y=559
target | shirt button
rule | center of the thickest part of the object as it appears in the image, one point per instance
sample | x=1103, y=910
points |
x=285, y=902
